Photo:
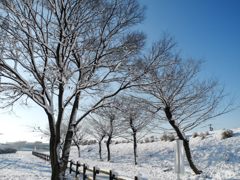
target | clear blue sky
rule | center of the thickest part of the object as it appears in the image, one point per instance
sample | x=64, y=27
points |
x=208, y=30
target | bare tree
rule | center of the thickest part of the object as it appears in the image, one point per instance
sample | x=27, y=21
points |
x=97, y=130
x=186, y=102
x=78, y=137
x=55, y=53
x=110, y=122
x=136, y=117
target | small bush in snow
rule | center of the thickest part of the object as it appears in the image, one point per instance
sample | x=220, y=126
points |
x=167, y=137
x=147, y=140
x=195, y=135
x=171, y=137
x=90, y=142
x=164, y=137
x=124, y=141
x=151, y=139
x=227, y=134
x=84, y=142
x=202, y=135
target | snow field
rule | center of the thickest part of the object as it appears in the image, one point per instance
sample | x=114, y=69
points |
x=23, y=166
x=219, y=159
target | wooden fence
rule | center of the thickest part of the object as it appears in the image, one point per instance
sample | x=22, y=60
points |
x=84, y=171
x=41, y=155
x=75, y=167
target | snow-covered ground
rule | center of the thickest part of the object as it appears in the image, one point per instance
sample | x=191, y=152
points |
x=219, y=159
x=23, y=166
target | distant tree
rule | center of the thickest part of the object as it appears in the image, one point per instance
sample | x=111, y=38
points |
x=78, y=137
x=98, y=131
x=137, y=117
x=109, y=121
x=184, y=99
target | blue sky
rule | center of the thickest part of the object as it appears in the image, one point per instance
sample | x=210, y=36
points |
x=207, y=30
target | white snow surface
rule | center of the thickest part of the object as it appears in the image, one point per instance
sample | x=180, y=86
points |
x=23, y=166
x=218, y=159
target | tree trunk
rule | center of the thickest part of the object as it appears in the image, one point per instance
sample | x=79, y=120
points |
x=189, y=157
x=135, y=147
x=185, y=141
x=59, y=165
x=66, y=150
x=100, y=149
x=108, y=148
x=69, y=135
x=53, y=147
x=54, y=160
x=79, y=151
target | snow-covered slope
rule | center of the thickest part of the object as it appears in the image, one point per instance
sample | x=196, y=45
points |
x=218, y=158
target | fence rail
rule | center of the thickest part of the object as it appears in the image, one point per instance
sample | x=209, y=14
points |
x=41, y=155
x=84, y=171
x=75, y=167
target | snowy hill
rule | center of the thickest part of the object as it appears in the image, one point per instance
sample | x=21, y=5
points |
x=218, y=158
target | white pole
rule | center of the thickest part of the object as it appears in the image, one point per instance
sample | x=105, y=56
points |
x=179, y=163
x=178, y=160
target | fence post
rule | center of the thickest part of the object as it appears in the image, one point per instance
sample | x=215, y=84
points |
x=95, y=172
x=135, y=178
x=70, y=168
x=84, y=171
x=111, y=175
x=77, y=166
